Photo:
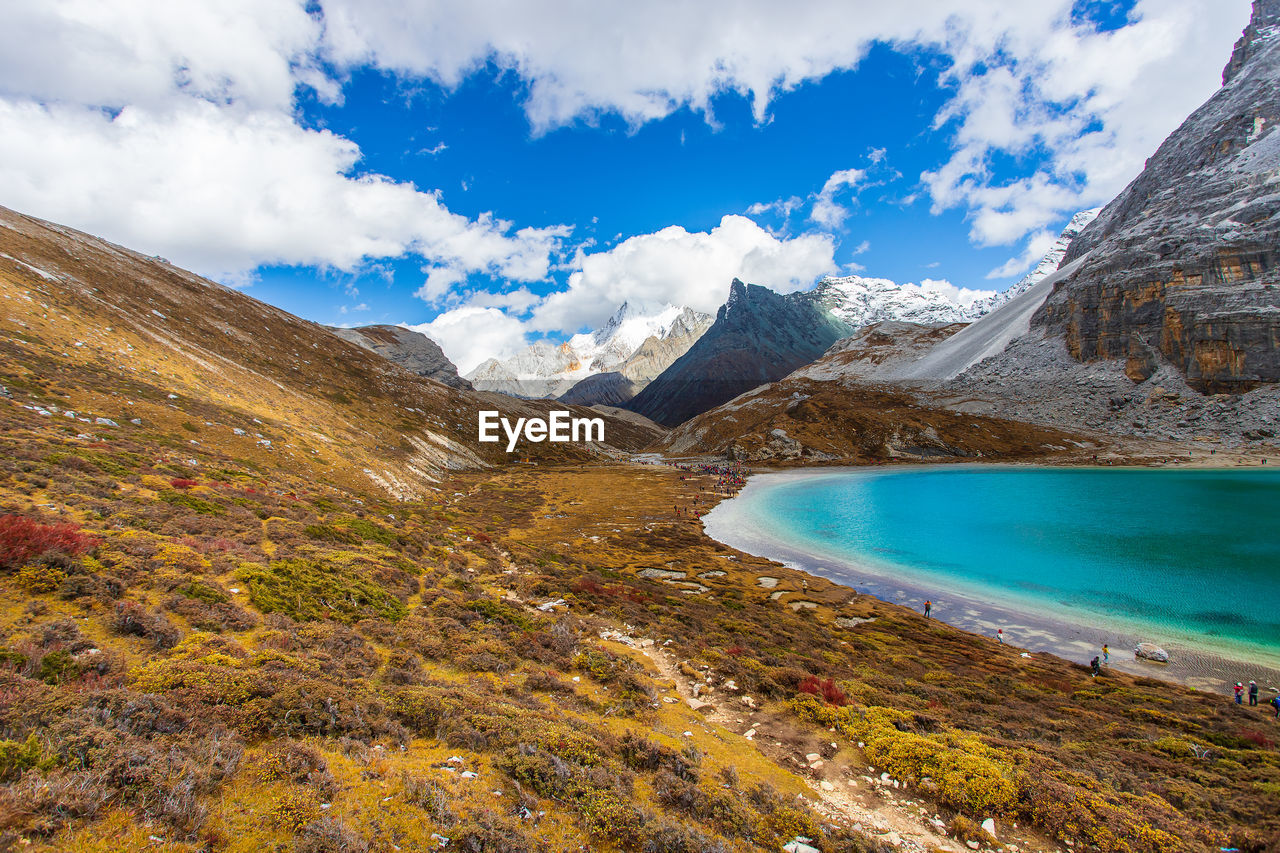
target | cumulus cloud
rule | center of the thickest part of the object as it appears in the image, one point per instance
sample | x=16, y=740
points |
x=672, y=266
x=1028, y=78
x=175, y=125
x=170, y=128
x=1087, y=106
x=226, y=190
x=1036, y=246
x=471, y=334
x=827, y=212
x=962, y=296
x=683, y=268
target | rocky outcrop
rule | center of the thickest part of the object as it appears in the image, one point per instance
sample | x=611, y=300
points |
x=634, y=343
x=610, y=389
x=646, y=363
x=411, y=350
x=759, y=336
x=1186, y=260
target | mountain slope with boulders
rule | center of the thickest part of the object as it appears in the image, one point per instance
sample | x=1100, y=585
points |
x=758, y=336
x=1184, y=265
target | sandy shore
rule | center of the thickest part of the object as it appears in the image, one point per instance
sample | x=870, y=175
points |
x=1077, y=638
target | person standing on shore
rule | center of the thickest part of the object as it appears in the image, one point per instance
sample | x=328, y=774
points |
x=1000, y=635
x=1239, y=693
x=1106, y=654
x=928, y=608
x=1096, y=666
x=1253, y=694
x=1275, y=703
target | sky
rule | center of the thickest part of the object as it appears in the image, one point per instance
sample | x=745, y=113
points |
x=494, y=172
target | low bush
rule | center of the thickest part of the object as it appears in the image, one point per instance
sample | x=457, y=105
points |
x=132, y=619
x=17, y=758
x=37, y=578
x=23, y=539
x=306, y=590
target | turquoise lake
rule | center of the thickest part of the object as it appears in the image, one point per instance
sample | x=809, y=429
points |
x=1193, y=554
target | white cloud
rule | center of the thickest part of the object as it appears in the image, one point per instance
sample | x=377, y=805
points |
x=170, y=128
x=669, y=266
x=826, y=211
x=224, y=190
x=1095, y=105
x=471, y=334
x=1036, y=246
x=683, y=268
x=783, y=207
x=1027, y=78
x=962, y=296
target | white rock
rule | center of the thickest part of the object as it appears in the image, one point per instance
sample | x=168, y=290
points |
x=989, y=827
x=826, y=786
x=798, y=846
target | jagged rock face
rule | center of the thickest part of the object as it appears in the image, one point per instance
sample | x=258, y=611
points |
x=542, y=370
x=637, y=344
x=411, y=350
x=1186, y=260
x=758, y=336
x=656, y=354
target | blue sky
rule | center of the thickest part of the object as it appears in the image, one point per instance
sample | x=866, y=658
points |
x=495, y=175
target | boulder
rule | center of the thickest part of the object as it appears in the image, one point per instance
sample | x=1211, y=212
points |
x=1151, y=652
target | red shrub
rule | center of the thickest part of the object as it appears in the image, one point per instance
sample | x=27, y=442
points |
x=183, y=483
x=825, y=689
x=735, y=650
x=1257, y=738
x=589, y=586
x=22, y=539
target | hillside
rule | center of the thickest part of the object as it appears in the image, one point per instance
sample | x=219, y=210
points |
x=99, y=330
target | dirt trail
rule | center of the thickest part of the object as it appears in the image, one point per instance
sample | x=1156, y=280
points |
x=878, y=809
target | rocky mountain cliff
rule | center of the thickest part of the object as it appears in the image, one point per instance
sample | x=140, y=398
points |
x=550, y=370
x=411, y=350
x=758, y=336
x=654, y=355
x=1183, y=265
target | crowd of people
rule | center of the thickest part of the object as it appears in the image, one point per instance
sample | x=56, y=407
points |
x=729, y=481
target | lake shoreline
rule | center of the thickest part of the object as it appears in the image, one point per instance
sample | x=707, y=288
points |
x=1076, y=637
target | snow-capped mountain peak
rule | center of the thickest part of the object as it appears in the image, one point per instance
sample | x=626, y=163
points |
x=860, y=301
x=546, y=369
